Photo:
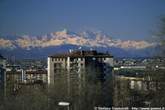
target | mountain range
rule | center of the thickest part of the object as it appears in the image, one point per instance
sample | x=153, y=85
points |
x=27, y=46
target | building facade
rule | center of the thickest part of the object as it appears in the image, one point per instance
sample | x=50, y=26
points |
x=2, y=75
x=78, y=62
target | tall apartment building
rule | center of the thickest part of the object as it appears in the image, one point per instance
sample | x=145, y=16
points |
x=76, y=63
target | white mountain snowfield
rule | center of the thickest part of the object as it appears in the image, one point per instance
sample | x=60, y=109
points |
x=87, y=38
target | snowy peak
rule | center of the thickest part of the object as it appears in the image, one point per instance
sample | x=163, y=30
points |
x=94, y=35
x=64, y=34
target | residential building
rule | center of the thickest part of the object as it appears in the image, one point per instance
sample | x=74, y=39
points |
x=2, y=74
x=78, y=62
x=15, y=78
x=34, y=76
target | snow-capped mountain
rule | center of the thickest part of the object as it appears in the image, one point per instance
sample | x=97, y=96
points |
x=88, y=39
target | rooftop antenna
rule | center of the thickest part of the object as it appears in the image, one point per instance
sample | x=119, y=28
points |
x=80, y=50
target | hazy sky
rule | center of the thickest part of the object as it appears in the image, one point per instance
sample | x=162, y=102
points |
x=124, y=19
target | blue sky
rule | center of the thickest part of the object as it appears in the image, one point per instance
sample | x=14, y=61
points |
x=123, y=19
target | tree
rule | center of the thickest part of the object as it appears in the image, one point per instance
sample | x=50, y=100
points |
x=30, y=97
x=160, y=36
x=157, y=98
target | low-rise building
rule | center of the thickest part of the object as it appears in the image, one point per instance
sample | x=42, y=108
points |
x=34, y=76
x=2, y=74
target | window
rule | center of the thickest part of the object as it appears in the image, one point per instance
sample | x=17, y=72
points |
x=81, y=64
x=57, y=65
x=81, y=59
x=72, y=59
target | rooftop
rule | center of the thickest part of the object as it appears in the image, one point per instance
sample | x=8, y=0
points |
x=81, y=53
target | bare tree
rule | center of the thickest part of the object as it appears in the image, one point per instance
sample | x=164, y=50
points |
x=160, y=36
x=157, y=98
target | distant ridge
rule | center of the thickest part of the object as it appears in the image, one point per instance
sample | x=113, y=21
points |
x=41, y=46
